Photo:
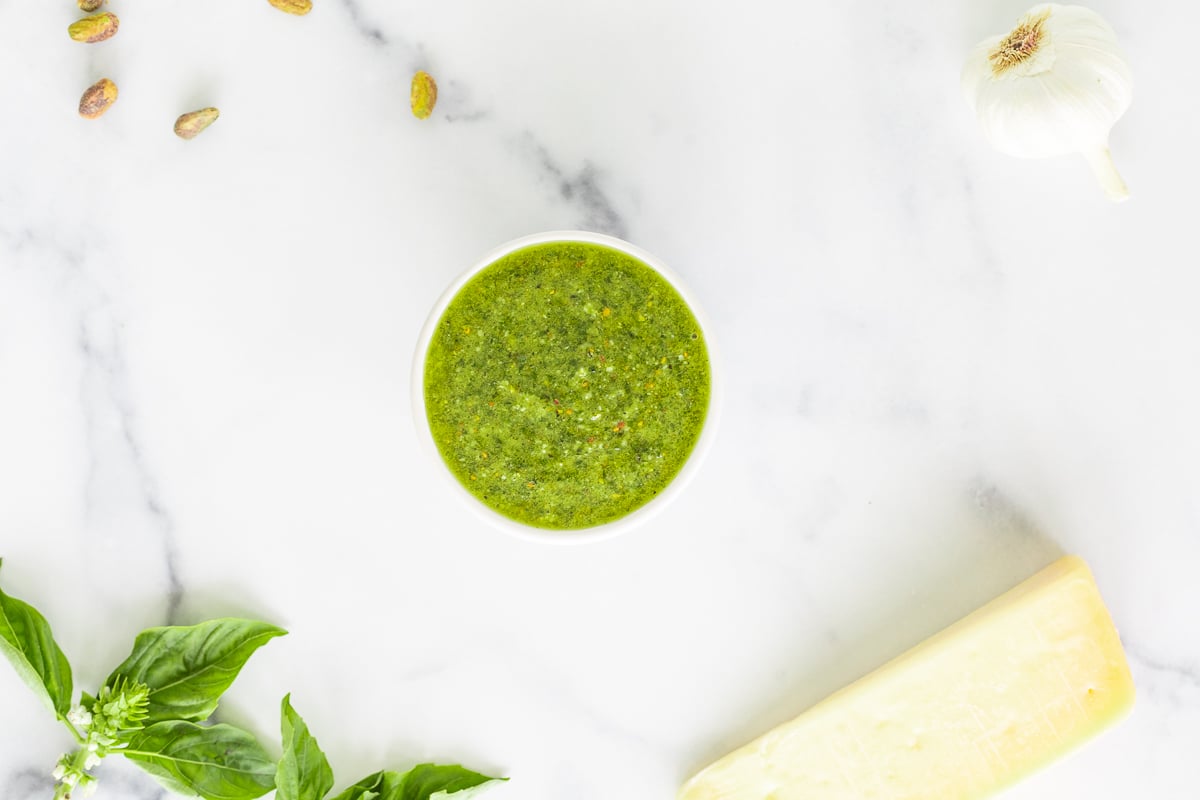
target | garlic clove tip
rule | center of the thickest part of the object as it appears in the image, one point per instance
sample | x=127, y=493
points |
x=1101, y=162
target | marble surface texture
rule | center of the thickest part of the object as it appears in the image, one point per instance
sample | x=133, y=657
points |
x=943, y=368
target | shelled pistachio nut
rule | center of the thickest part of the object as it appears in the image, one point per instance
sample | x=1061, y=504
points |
x=95, y=28
x=97, y=99
x=90, y=5
x=191, y=124
x=297, y=7
x=423, y=95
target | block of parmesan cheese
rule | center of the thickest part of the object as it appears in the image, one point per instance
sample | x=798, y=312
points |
x=995, y=696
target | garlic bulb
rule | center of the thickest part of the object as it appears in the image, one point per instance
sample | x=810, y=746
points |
x=1055, y=84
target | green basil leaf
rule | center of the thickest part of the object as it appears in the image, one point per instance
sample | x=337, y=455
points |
x=303, y=772
x=189, y=668
x=369, y=788
x=218, y=762
x=27, y=641
x=419, y=783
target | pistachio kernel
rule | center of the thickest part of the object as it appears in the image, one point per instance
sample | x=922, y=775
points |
x=297, y=7
x=97, y=99
x=189, y=125
x=95, y=28
x=424, y=94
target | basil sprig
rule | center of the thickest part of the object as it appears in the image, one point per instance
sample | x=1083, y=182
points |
x=153, y=709
x=149, y=708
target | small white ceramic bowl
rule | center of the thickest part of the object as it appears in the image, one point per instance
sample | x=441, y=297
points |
x=577, y=535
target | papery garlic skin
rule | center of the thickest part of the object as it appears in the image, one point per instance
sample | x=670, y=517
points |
x=1055, y=84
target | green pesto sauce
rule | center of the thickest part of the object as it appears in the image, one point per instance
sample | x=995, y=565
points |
x=566, y=385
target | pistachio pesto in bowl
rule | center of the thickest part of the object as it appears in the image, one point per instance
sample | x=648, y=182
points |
x=566, y=383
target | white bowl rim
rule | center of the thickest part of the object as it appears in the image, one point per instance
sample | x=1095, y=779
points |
x=639, y=515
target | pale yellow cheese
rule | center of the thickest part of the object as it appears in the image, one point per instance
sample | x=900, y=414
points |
x=999, y=694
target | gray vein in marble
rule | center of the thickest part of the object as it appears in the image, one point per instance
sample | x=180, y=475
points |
x=104, y=385
x=1177, y=675
x=28, y=784
x=581, y=189
x=453, y=103
x=119, y=777
x=367, y=29
x=114, y=779
x=456, y=104
x=105, y=362
x=1001, y=510
x=474, y=115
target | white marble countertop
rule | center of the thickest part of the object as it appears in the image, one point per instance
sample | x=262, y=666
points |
x=944, y=367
